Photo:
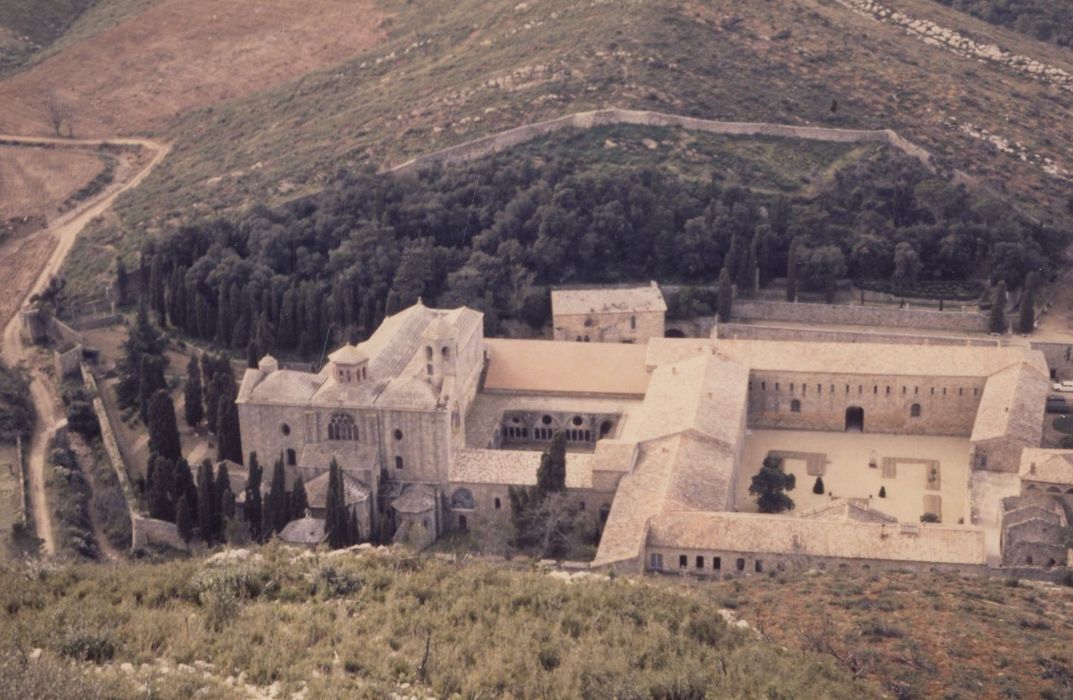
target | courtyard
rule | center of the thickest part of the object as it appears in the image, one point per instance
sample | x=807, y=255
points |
x=917, y=473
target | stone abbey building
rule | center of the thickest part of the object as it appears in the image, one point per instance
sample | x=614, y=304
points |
x=432, y=422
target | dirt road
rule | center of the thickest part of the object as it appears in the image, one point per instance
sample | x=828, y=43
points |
x=65, y=230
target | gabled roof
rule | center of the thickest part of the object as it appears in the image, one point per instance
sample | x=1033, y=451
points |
x=604, y=300
x=1051, y=466
x=515, y=468
x=847, y=510
x=418, y=498
x=1012, y=405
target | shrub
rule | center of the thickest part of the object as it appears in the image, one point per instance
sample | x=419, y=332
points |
x=818, y=488
x=85, y=645
x=929, y=518
x=882, y=491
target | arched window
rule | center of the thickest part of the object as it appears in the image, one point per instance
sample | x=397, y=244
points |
x=428, y=353
x=795, y=406
x=292, y=457
x=914, y=410
x=398, y=462
x=633, y=323
x=341, y=427
x=398, y=434
x=463, y=499
x=445, y=352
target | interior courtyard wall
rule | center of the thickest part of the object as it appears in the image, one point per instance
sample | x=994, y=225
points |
x=948, y=405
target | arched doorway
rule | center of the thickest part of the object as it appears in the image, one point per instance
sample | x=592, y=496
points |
x=855, y=419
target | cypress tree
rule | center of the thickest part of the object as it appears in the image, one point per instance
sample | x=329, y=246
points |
x=732, y=259
x=184, y=519
x=252, y=509
x=184, y=483
x=997, y=322
x=122, y=282
x=228, y=439
x=253, y=355
x=725, y=300
x=143, y=339
x=225, y=506
x=207, y=504
x=551, y=475
x=163, y=432
x=1027, y=321
x=747, y=270
x=299, y=499
x=223, y=316
x=156, y=290
x=161, y=488
x=818, y=488
x=336, y=523
x=882, y=491
x=791, y=271
x=276, y=512
x=203, y=315
x=193, y=409
x=763, y=253
x=151, y=379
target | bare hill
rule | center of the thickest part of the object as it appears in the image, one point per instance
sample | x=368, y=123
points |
x=182, y=54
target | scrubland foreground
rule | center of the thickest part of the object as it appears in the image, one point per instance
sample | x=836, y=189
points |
x=368, y=623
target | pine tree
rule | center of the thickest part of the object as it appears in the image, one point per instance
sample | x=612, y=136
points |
x=551, y=475
x=769, y=486
x=336, y=523
x=791, y=270
x=163, y=432
x=277, y=513
x=184, y=519
x=725, y=300
x=997, y=323
x=299, y=499
x=207, y=504
x=818, y=488
x=1027, y=321
x=252, y=509
x=228, y=439
x=193, y=409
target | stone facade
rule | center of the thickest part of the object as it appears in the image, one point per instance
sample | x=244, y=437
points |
x=615, y=315
x=844, y=315
x=436, y=424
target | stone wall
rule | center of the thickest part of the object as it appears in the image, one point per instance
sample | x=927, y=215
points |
x=1059, y=358
x=494, y=143
x=635, y=327
x=746, y=563
x=834, y=314
x=89, y=322
x=24, y=493
x=145, y=532
x=947, y=405
x=741, y=331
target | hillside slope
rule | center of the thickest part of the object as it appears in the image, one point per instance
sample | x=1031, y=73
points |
x=367, y=624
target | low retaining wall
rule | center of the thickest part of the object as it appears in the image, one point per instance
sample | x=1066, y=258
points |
x=86, y=323
x=24, y=493
x=844, y=315
x=144, y=531
x=489, y=145
x=739, y=331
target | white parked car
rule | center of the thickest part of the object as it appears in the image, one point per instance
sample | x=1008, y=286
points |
x=1064, y=387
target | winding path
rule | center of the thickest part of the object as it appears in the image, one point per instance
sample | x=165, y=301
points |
x=65, y=230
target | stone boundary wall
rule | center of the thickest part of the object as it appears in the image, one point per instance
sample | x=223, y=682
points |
x=1056, y=355
x=89, y=322
x=145, y=531
x=842, y=315
x=494, y=143
x=63, y=333
x=24, y=493
x=741, y=331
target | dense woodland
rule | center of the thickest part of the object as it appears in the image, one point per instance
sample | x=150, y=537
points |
x=495, y=234
x=1047, y=20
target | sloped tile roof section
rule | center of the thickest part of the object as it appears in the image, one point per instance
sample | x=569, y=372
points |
x=557, y=367
x=605, y=300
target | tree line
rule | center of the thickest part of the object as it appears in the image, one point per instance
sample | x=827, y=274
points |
x=495, y=234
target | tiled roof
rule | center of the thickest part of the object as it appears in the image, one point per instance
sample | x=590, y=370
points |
x=850, y=358
x=418, y=498
x=285, y=386
x=304, y=531
x=515, y=467
x=1051, y=466
x=603, y=300
x=847, y=510
x=1012, y=405
x=776, y=534
x=561, y=367
x=317, y=490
